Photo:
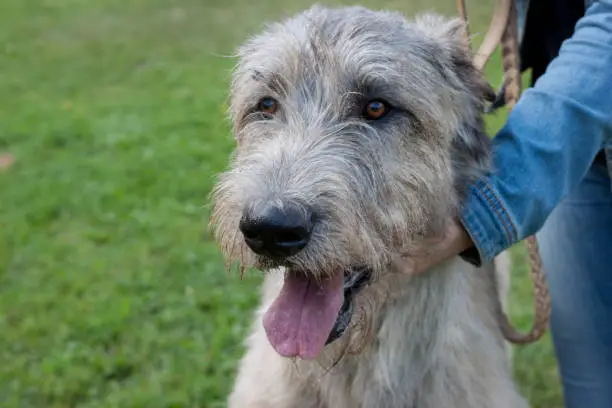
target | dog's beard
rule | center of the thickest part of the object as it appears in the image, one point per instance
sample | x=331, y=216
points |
x=320, y=302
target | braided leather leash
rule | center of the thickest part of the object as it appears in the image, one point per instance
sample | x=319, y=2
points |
x=504, y=30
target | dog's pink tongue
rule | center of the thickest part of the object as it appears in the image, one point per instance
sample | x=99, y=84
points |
x=299, y=321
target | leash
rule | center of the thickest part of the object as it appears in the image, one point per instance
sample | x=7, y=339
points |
x=504, y=30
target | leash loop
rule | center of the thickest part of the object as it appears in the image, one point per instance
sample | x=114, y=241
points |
x=504, y=30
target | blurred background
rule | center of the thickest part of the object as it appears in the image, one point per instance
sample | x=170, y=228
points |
x=112, y=128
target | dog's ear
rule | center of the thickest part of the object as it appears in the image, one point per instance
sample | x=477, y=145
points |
x=470, y=150
x=441, y=28
x=449, y=34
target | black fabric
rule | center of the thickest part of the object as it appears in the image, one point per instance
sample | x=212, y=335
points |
x=471, y=256
x=601, y=159
x=549, y=23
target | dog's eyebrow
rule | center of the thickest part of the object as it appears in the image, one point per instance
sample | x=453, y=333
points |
x=373, y=87
x=271, y=80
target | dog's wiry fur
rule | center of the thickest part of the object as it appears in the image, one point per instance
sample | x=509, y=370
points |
x=431, y=341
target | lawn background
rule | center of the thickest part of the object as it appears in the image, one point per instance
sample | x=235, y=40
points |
x=112, y=293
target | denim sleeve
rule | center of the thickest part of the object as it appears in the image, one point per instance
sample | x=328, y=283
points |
x=548, y=142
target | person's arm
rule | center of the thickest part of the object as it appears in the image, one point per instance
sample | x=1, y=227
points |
x=549, y=140
x=544, y=150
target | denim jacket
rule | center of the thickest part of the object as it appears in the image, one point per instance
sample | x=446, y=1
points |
x=549, y=141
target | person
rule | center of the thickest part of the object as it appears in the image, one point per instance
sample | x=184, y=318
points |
x=552, y=177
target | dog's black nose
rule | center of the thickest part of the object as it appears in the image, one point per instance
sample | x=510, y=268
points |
x=276, y=229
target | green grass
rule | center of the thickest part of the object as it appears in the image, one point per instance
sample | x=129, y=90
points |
x=112, y=293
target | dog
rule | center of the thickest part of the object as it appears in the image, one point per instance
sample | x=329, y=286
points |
x=357, y=135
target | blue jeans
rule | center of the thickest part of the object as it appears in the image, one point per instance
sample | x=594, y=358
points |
x=576, y=247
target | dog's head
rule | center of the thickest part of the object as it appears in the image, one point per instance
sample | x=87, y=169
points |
x=357, y=132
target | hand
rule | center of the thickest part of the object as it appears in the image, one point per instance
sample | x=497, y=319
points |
x=435, y=250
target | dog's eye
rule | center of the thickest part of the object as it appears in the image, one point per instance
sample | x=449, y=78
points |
x=268, y=106
x=375, y=109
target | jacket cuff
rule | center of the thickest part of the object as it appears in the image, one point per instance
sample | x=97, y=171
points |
x=488, y=224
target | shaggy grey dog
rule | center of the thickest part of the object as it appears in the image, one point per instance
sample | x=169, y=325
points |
x=357, y=134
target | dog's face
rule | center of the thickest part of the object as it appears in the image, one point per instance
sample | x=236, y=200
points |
x=356, y=132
